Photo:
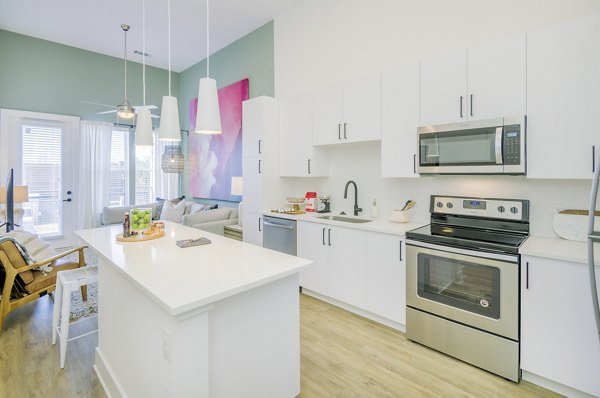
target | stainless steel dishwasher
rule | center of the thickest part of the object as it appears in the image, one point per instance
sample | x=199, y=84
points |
x=279, y=234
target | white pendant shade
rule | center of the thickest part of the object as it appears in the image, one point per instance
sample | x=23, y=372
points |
x=143, y=128
x=208, y=115
x=169, y=120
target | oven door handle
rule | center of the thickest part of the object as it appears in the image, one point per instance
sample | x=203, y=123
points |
x=492, y=256
x=498, y=145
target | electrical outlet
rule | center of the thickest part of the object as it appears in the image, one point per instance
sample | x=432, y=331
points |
x=166, y=344
x=558, y=208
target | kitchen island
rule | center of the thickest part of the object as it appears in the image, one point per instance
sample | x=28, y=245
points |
x=218, y=320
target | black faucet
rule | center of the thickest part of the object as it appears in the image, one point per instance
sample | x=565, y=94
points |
x=356, y=208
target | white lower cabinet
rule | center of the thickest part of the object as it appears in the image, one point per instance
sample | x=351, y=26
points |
x=339, y=257
x=386, y=276
x=559, y=340
x=252, y=227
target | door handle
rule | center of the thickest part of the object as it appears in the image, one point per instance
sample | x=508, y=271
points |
x=329, y=237
x=471, y=104
x=339, y=131
x=308, y=166
x=259, y=164
x=69, y=192
x=259, y=224
x=67, y=200
x=527, y=275
x=324, y=236
x=461, y=111
x=271, y=224
x=259, y=150
x=415, y=163
x=498, y=145
x=400, y=250
x=345, y=131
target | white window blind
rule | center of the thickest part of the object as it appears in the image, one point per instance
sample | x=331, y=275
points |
x=42, y=173
x=118, y=184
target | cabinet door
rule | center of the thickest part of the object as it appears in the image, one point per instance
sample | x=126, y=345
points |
x=496, y=79
x=252, y=119
x=328, y=115
x=253, y=168
x=563, y=99
x=346, y=265
x=297, y=156
x=252, y=224
x=400, y=119
x=559, y=340
x=311, y=244
x=386, y=276
x=362, y=109
x=444, y=89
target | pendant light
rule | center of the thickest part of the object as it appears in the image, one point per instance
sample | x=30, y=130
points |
x=124, y=109
x=169, y=116
x=208, y=115
x=172, y=159
x=143, y=128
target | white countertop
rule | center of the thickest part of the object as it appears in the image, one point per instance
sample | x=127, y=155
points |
x=559, y=249
x=376, y=225
x=181, y=280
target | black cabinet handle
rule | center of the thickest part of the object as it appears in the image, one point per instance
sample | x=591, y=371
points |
x=471, y=104
x=461, y=113
x=259, y=164
x=339, y=131
x=67, y=200
x=324, y=236
x=329, y=236
x=527, y=275
x=259, y=150
x=308, y=166
x=400, y=250
x=259, y=224
x=593, y=158
x=345, y=132
x=415, y=163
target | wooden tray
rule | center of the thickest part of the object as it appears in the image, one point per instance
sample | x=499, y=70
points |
x=289, y=212
x=138, y=238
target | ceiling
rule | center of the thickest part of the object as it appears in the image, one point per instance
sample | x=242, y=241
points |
x=96, y=25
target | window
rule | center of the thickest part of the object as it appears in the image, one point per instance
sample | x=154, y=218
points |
x=42, y=173
x=118, y=181
x=144, y=175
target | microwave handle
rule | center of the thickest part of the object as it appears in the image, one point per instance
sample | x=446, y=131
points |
x=499, y=131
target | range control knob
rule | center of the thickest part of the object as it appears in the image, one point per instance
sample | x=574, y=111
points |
x=514, y=210
x=439, y=204
x=449, y=205
x=501, y=209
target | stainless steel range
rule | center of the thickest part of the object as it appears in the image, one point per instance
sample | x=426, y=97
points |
x=462, y=274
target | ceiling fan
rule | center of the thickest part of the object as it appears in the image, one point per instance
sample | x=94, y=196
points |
x=124, y=110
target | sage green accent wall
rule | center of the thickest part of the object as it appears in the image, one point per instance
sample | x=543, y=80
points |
x=250, y=57
x=42, y=76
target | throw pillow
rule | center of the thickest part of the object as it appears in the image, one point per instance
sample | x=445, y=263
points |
x=160, y=203
x=37, y=249
x=197, y=207
x=172, y=212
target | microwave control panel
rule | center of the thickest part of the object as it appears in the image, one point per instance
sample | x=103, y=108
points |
x=511, y=146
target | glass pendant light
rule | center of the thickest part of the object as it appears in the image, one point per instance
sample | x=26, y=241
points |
x=143, y=128
x=208, y=115
x=169, y=117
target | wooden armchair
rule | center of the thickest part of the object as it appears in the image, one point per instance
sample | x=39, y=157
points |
x=23, y=284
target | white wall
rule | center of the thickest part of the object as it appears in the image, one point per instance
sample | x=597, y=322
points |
x=323, y=42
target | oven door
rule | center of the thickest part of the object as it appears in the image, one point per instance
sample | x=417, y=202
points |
x=477, y=289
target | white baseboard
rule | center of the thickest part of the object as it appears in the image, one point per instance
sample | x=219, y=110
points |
x=110, y=385
x=554, y=386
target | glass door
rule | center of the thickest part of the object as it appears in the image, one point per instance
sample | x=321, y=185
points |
x=40, y=149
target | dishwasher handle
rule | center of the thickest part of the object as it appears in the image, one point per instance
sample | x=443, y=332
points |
x=270, y=224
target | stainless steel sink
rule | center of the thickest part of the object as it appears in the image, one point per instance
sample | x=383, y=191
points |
x=344, y=219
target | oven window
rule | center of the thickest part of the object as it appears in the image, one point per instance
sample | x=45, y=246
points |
x=469, y=286
x=475, y=147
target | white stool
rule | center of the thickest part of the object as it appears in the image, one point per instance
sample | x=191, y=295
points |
x=67, y=282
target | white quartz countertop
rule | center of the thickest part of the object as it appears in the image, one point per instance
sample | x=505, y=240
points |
x=181, y=280
x=376, y=225
x=559, y=249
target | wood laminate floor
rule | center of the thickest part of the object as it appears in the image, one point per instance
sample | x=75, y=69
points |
x=343, y=355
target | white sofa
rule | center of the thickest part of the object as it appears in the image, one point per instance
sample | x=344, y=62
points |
x=213, y=220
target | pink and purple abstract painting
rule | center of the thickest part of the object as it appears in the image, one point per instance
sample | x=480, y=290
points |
x=214, y=159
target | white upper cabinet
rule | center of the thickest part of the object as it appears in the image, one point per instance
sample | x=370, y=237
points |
x=563, y=99
x=297, y=155
x=476, y=83
x=259, y=119
x=348, y=112
x=399, y=120
x=443, y=89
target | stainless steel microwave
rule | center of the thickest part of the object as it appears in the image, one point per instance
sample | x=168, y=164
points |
x=493, y=146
